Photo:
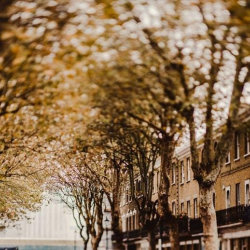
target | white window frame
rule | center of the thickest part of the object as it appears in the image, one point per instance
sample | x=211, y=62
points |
x=228, y=158
x=247, y=144
x=188, y=169
x=127, y=196
x=182, y=173
x=247, y=196
x=182, y=207
x=195, y=207
x=237, y=144
x=228, y=205
x=123, y=223
x=173, y=174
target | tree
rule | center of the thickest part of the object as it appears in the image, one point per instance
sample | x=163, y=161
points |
x=26, y=50
x=77, y=189
x=30, y=31
x=22, y=165
x=192, y=64
x=128, y=94
x=142, y=150
x=136, y=151
x=107, y=171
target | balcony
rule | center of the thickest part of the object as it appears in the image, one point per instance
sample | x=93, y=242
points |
x=233, y=215
x=239, y=214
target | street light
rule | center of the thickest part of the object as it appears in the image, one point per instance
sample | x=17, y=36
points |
x=106, y=225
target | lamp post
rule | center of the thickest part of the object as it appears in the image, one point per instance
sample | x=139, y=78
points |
x=106, y=225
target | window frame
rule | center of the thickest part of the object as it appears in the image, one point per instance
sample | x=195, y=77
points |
x=182, y=207
x=228, y=201
x=158, y=180
x=247, y=194
x=195, y=207
x=236, y=146
x=188, y=169
x=237, y=194
x=214, y=199
x=246, y=144
x=189, y=208
x=173, y=208
x=182, y=172
x=173, y=174
x=228, y=159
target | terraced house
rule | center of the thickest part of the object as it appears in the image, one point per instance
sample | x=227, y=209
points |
x=231, y=200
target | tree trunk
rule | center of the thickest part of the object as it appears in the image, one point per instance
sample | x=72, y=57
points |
x=168, y=147
x=151, y=239
x=85, y=245
x=117, y=232
x=174, y=234
x=115, y=210
x=208, y=218
x=95, y=243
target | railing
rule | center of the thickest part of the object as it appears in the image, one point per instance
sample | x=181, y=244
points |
x=246, y=217
x=131, y=234
x=230, y=215
x=194, y=225
x=233, y=215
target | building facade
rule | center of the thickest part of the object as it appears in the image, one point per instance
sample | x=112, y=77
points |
x=51, y=228
x=231, y=200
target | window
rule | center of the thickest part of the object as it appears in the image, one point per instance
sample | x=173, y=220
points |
x=243, y=243
x=138, y=187
x=127, y=197
x=188, y=169
x=124, y=224
x=123, y=197
x=247, y=144
x=236, y=146
x=228, y=158
x=133, y=222
x=237, y=194
x=136, y=220
x=157, y=180
x=129, y=223
x=228, y=205
x=235, y=244
x=173, y=174
x=188, y=209
x=182, y=207
x=173, y=208
x=247, y=196
x=155, y=183
x=182, y=172
x=214, y=199
x=195, y=208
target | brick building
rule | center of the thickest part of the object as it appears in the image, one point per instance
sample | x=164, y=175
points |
x=231, y=200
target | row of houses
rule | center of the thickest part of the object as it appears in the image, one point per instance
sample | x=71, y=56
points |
x=231, y=200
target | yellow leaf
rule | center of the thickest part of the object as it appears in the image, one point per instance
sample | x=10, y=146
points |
x=6, y=35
